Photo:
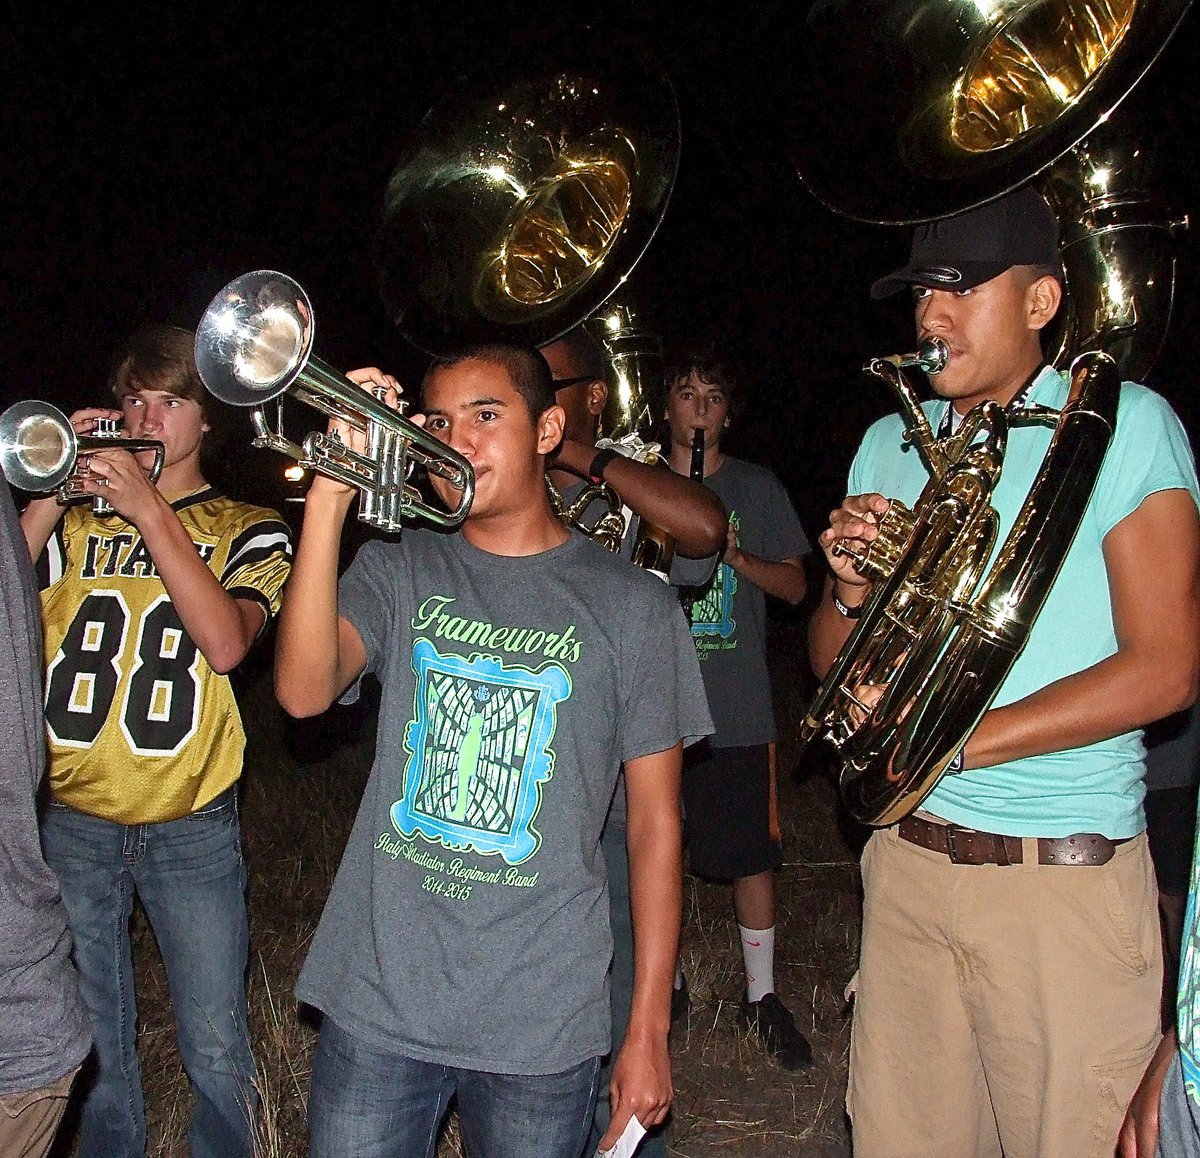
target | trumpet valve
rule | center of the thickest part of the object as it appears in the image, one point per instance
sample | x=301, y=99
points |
x=380, y=394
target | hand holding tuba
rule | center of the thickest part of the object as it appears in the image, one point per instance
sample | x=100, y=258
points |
x=40, y=451
x=254, y=344
x=937, y=636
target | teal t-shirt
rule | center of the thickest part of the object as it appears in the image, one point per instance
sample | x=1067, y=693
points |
x=1097, y=788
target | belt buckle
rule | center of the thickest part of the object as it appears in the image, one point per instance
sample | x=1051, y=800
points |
x=952, y=843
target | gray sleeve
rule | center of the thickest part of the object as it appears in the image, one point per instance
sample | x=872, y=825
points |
x=366, y=598
x=785, y=536
x=692, y=572
x=662, y=693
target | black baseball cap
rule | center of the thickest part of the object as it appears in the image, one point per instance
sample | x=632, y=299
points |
x=965, y=250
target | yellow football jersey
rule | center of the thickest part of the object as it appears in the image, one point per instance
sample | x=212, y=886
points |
x=140, y=728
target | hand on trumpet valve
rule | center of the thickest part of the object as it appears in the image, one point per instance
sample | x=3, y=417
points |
x=121, y=480
x=385, y=387
x=112, y=474
x=354, y=435
x=89, y=420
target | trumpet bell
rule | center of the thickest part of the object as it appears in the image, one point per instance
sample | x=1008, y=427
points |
x=255, y=338
x=37, y=446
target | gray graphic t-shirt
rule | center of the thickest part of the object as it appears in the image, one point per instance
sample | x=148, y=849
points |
x=684, y=572
x=729, y=616
x=468, y=923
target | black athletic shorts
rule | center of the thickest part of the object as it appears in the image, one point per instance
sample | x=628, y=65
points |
x=729, y=812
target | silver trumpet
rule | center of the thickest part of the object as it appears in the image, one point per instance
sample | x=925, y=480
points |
x=254, y=344
x=40, y=452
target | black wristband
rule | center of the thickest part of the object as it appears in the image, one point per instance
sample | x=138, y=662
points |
x=843, y=609
x=602, y=459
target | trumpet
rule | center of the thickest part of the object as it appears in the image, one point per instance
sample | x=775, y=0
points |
x=254, y=344
x=40, y=452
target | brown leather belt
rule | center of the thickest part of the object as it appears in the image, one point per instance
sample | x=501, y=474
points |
x=966, y=846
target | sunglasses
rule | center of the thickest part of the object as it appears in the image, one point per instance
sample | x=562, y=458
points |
x=563, y=383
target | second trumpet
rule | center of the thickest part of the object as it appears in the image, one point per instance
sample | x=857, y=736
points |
x=40, y=451
x=254, y=344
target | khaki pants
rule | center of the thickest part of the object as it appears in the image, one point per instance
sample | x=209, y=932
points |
x=1001, y=1010
x=28, y=1120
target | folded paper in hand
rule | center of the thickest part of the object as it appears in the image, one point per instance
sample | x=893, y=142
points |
x=628, y=1142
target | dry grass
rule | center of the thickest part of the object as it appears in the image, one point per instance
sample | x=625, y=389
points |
x=302, y=786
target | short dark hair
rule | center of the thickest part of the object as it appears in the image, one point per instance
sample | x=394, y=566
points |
x=1037, y=272
x=526, y=369
x=713, y=366
x=159, y=357
x=585, y=353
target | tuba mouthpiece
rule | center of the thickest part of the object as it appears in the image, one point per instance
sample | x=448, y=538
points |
x=931, y=356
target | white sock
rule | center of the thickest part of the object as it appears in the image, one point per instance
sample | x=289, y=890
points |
x=758, y=952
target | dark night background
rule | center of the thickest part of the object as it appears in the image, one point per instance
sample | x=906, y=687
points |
x=154, y=155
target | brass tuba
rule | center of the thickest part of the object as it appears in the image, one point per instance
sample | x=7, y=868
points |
x=956, y=103
x=634, y=363
x=517, y=212
x=254, y=345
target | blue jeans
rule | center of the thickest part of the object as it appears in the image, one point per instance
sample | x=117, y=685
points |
x=616, y=859
x=191, y=879
x=1178, y=1130
x=366, y=1103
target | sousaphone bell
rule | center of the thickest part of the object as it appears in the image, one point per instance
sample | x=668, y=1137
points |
x=520, y=205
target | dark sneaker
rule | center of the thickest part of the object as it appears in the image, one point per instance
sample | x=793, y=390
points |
x=680, y=1000
x=771, y=1021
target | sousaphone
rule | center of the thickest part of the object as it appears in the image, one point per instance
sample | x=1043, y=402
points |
x=950, y=104
x=521, y=205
